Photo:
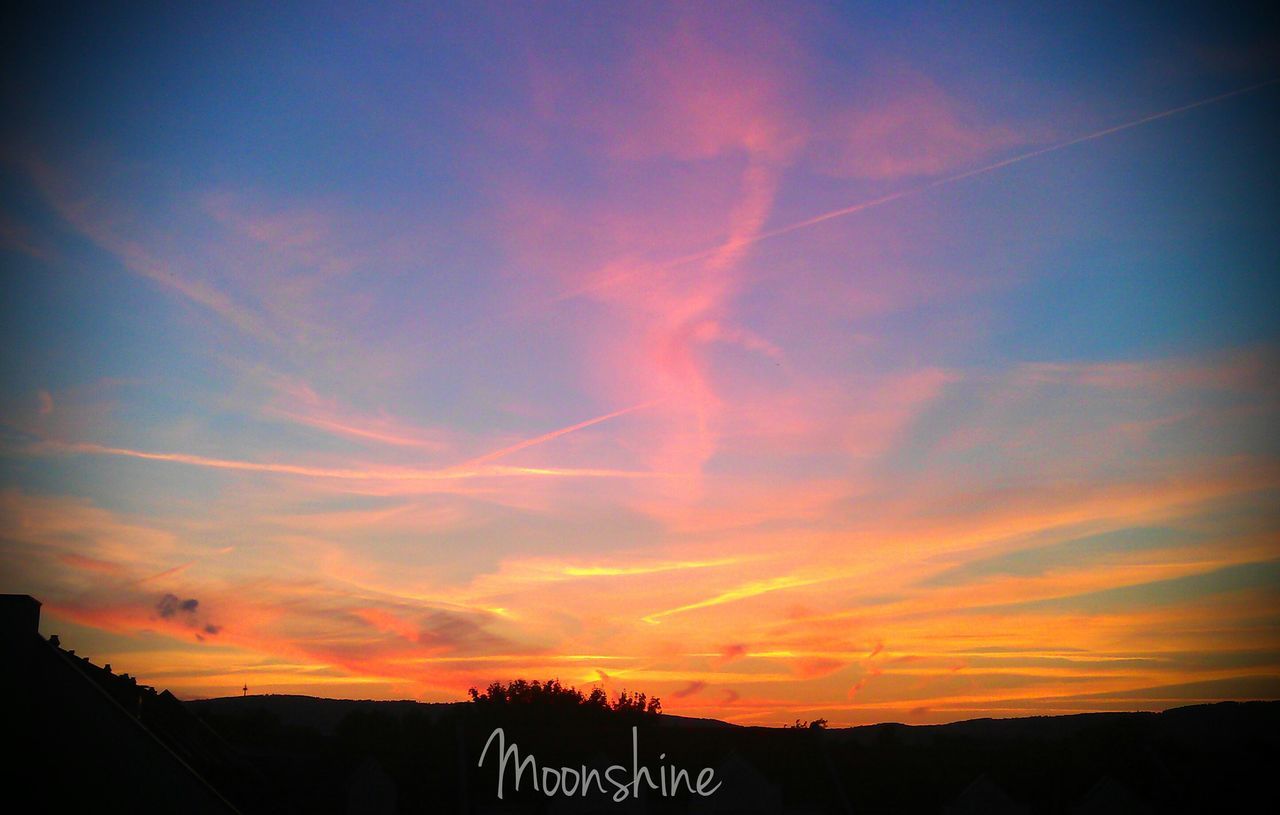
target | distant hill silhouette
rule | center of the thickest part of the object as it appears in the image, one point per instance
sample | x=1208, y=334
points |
x=324, y=715
x=1201, y=758
x=317, y=713
x=88, y=739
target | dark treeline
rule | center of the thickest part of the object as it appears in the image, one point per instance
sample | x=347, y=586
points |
x=312, y=755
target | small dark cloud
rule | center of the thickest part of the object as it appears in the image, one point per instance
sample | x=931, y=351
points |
x=173, y=607
x=457, y=632
x=170, y=605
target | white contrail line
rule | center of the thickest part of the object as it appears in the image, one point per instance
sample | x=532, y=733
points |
x=938, y=182
x=1053, y=148
x=555, y=434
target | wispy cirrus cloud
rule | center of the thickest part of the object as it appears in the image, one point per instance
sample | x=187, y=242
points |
x=102, y=222
x=911, y=129
x=376, y=474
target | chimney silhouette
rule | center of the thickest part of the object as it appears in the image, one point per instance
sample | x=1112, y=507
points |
x=19, y=617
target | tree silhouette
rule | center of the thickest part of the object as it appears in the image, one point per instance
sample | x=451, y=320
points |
x=552, y=695
x=816, y=724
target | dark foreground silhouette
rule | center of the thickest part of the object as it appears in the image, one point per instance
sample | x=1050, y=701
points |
x=88, y=739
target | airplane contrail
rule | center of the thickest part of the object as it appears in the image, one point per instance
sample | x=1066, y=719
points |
x=555, y=434
x=1053, y=148
x=456, y=341
x=937, y=182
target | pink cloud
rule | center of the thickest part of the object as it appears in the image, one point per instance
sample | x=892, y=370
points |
x=706, y=85
x=696, y=92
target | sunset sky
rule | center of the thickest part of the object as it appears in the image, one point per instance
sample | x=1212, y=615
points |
x=880, y=362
